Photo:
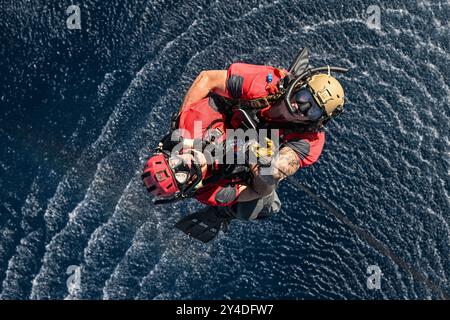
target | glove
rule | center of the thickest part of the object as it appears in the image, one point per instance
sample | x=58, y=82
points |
x=263, y=155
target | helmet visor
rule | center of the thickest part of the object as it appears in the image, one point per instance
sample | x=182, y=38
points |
x=302, y=109
x=307, y=106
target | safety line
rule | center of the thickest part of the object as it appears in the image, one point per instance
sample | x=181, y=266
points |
x=371, y=240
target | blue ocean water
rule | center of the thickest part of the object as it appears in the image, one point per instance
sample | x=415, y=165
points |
x=80, y=108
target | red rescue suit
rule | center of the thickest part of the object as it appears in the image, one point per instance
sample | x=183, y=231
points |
x=244, y=81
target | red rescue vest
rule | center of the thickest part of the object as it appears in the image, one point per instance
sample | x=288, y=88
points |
x=197, y=118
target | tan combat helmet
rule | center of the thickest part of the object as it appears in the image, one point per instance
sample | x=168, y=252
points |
x=327, y=92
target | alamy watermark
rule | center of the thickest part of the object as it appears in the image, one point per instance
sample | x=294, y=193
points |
x=74, y=280
x=374, y=19
x=73, y=22
x=374, y=278
x=232, y=147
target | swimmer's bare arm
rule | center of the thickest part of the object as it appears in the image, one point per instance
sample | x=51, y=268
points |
x=266, y=180
x=206, y=81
